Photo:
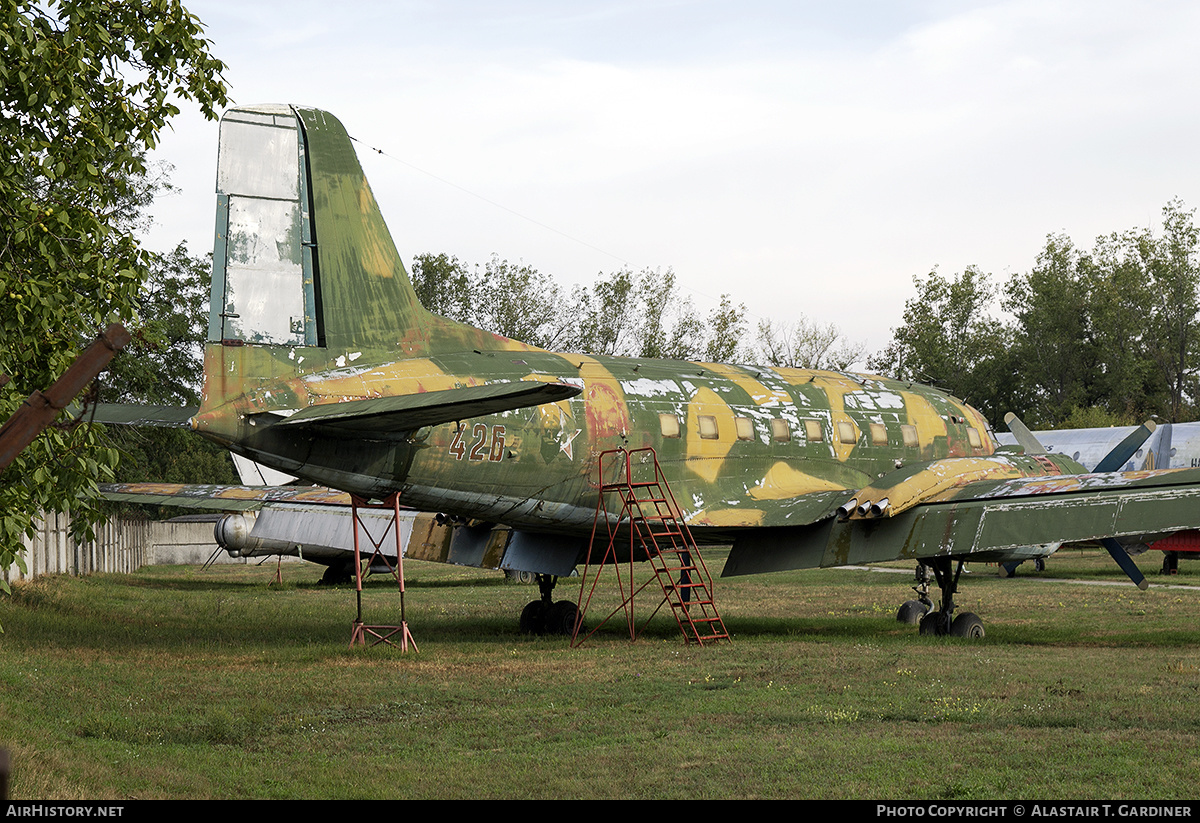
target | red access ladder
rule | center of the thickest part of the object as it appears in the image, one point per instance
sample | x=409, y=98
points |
x=647, y=520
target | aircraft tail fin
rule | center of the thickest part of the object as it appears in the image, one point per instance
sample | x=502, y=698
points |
x=302, y=256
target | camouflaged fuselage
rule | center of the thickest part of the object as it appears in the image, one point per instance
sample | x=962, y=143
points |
x=741, y=446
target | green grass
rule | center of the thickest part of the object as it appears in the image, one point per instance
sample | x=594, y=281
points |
x=181, y=683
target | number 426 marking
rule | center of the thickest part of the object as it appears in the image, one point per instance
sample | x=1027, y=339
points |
x=481, y=448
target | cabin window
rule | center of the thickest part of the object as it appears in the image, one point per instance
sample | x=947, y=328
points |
x=708, y=427
x=878, y=434
x=846, y=432
x=973, y=438
x=745, y=428
x=814, y=431
x=910, y=436
x=780, y=432
x=669, y=424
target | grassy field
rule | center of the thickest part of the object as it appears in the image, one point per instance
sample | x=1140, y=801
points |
x=181, y=683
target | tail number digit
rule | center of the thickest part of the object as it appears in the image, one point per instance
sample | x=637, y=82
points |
x=482, y=447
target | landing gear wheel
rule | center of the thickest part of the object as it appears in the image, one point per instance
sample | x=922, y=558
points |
x=1039, y=564
x=1170, y=563
x=911, y=612
x=533, y=617
x=337, y=574
x=967, y=624
x=936, y=623
x=561, y=617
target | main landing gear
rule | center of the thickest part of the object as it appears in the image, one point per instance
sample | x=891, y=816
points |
x=547, y=617
x=941, y=621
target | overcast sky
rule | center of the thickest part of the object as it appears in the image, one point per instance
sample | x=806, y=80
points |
x=804, y=157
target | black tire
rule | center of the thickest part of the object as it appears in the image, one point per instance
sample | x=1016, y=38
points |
x=533, y=618
x=934, y=623
x=1039, y=565
x=967, y=624
x=561, y=617
x=911, y=612
x=338, y=574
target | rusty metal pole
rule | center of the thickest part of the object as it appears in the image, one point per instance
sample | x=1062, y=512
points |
x=405, y=636
x=356, y=632
x=39, y=409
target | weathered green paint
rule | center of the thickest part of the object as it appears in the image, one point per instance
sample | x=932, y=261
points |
x=532, y=467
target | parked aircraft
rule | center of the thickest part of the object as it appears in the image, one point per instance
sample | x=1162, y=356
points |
x=1170, y=445
x=321, y=363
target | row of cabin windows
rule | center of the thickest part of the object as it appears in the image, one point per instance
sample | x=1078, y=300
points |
x=813, y=431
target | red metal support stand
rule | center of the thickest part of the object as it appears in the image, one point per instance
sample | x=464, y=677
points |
x=361, y=631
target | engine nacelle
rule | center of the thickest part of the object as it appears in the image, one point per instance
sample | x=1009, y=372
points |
x=232, y=533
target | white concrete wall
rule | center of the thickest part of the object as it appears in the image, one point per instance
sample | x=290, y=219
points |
x=120, y=546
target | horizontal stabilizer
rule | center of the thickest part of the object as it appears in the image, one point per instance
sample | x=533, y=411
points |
x=124, y=414
x=409, y=412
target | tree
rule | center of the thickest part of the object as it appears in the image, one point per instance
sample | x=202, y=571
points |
x=444, y=285
x=726, y=326
x=520, y=302
x=641, y=315
x=1055, y=345
x=163, y=365
x=608, y=313
x=621, y=314
x=950, y=338
x=804, y=344
x=1174, y=279
x=1113, y=329
x=86, y=86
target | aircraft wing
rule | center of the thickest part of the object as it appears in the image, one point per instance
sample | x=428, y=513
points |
x=219, y=498
x=986, y=520
x=315, y=523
